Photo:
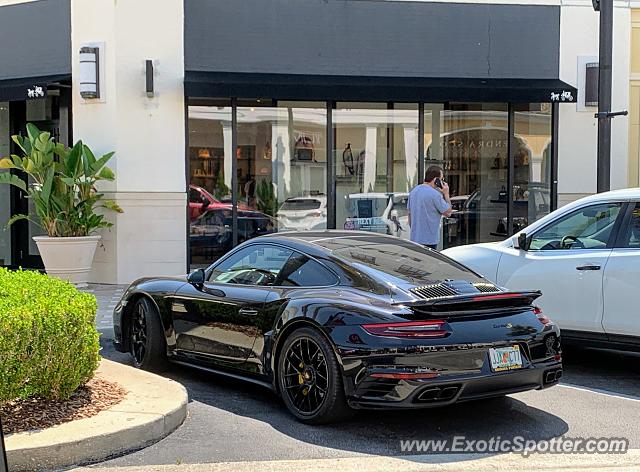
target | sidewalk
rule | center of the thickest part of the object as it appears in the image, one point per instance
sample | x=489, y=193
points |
x=107, y=296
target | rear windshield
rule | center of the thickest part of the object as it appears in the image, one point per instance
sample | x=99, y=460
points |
x=301, y=204
x=400, y=259
x=368, y=207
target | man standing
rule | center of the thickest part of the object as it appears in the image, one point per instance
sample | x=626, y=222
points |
x=428, y=203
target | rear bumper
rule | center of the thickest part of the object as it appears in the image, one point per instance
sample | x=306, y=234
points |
x=448, y=389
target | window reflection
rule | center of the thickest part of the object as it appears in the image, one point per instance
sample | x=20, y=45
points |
x=210, y=234
x=532, y=164
x=376, y=156
x=282, y=163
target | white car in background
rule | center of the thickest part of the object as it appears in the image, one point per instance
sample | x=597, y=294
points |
x=585, y=258
x=378, y=212
x=303, y=213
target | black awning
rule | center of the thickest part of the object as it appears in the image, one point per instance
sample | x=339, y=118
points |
x=30, y=87
x=360, y=88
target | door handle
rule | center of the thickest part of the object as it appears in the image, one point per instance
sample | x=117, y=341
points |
x=588, y=267
x=248, y=311
x=213, y=291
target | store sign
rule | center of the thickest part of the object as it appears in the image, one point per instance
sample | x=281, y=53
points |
x=36, y=91
x=564, y=96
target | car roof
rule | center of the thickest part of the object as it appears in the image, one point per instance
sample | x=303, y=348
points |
x=312, y=241
x=624, y=193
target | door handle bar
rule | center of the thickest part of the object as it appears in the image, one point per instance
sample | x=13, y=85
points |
x=588, y=267
x=248, y=311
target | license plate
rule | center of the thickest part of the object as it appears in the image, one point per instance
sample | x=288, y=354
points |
x=505, y=358
x=364, y=221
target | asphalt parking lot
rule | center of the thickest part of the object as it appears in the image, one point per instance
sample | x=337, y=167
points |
x=232, y=421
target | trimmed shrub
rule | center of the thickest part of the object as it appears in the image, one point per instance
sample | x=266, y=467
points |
x=48, y=341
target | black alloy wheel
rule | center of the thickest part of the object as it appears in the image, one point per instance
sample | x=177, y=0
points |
x=310, y=379
x=147, y=343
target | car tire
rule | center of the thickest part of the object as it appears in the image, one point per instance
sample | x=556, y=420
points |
x=310, y=379
x=146, y=337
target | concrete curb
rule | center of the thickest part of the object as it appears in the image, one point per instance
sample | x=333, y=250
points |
x=153, y=408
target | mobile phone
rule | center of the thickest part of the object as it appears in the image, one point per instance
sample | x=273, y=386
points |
x=438, y=182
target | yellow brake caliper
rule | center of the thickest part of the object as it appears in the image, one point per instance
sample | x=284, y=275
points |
x=305, y=391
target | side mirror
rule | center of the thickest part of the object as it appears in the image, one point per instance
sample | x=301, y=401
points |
x=196, y=277
x=524, y=241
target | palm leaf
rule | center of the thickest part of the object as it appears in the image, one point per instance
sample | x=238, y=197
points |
x=8, y=178
x=15, y=218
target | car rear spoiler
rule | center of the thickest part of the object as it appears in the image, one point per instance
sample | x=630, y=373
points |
x=475, y=302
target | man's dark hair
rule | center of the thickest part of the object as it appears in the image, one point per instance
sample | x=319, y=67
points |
x=432, y=173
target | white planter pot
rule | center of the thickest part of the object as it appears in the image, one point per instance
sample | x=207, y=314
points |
x=68, y=258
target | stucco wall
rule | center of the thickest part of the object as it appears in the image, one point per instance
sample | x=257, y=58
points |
x=147, y=134
x=578, y=130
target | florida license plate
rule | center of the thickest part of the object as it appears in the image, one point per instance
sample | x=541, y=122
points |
x=505, y=358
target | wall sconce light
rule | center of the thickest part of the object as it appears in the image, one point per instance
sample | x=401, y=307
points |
x=591, y=77
x=149, y=77
x=89, y=72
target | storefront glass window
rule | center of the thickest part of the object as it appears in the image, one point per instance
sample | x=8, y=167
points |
x=281, y=168
x=376, y=161
x=470, y=142
x=532, y=164
x=210, y=216
x=282, y=162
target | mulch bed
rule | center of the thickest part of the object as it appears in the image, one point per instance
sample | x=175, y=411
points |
x=37, y=413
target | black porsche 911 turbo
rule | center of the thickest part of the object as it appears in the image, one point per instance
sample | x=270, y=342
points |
x=334, y=321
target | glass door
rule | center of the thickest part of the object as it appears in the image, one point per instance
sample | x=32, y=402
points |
x=17, y=248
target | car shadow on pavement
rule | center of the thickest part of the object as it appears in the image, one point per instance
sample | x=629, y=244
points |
x=602, y=369
x=219, y=405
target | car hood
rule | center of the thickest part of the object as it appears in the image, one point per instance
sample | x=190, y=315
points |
x=482, y=258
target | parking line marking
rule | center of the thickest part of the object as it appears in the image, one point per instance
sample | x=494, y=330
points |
x=601, y=392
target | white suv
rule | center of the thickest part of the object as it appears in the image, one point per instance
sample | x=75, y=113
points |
x=303, y=213
x=585, y=258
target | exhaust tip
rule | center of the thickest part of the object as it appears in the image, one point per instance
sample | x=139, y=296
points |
x=448, y=393
x=429, y=394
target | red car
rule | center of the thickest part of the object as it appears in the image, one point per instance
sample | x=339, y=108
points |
x=200, y=200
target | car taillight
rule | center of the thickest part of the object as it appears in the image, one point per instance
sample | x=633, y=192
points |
x=317, y=213
x=409, y=329
x=542, y=318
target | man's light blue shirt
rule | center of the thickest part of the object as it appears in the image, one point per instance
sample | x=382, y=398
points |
x=426, y=206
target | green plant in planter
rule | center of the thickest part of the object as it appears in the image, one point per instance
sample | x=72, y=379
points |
x=64, y=184
x=267, y=199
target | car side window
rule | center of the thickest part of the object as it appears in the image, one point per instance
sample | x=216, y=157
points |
x=586, y=228
x=258, y=264
x=302, y=271
x=631, y=233
x=195, y=196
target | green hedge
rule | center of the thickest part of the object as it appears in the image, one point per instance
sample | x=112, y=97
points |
x=48, y=341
